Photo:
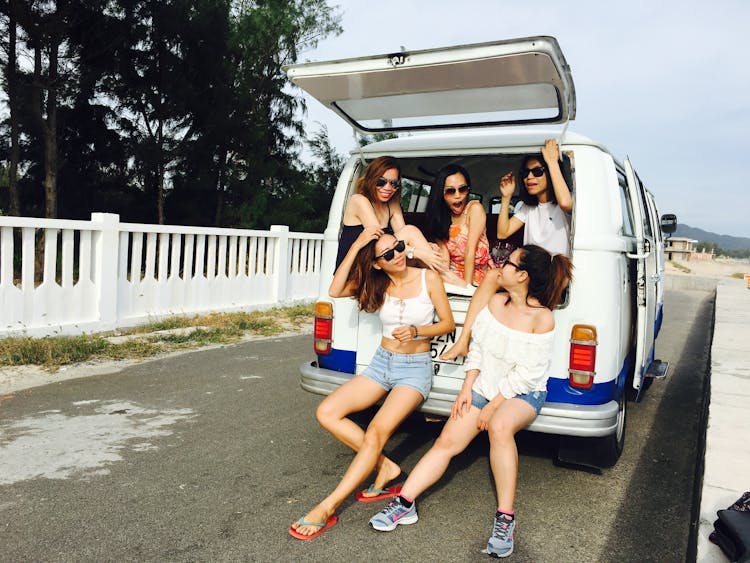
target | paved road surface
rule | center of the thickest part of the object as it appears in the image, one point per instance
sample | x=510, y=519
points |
x=210, y=455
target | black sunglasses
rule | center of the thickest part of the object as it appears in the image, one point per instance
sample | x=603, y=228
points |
x=381, y=182
x=461, y=189
x=502, y=251
x=506, y=262
x=537, y=171
x=390, y=253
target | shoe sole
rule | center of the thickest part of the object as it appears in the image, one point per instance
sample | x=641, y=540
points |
x=498, y=555
x=405, y=520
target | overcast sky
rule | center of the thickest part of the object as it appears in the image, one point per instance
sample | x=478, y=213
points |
x=666, y=83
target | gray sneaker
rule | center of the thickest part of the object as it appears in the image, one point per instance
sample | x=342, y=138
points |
x=393, y=515
x=500, y=543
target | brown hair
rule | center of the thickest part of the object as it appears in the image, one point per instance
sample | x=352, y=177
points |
x=366, y=184
x=370, y=284
x=548, y=275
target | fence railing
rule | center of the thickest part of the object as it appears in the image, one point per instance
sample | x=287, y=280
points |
x=71, y=277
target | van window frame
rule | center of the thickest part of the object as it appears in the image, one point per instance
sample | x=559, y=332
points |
x=628, y=220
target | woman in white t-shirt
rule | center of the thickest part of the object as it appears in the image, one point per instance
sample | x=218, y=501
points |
x=547, y=203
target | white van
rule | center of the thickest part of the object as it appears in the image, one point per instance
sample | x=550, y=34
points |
x=611, y=315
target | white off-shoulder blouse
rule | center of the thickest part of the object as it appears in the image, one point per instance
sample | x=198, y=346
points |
x=509, y=361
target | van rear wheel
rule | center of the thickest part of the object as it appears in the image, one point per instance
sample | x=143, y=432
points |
x=610, y=447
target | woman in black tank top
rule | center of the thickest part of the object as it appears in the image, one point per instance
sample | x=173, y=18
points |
x=377, y=204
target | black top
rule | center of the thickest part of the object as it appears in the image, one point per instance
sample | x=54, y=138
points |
x=349, y=234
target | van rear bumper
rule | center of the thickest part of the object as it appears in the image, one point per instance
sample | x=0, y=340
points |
x=565, y=419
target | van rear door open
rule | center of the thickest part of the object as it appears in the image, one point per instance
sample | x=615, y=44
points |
x=647, y=277
x=520, y=81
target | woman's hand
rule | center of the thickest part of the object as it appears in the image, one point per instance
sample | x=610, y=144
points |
x=508, y=185
x=462, y=403
x=431, y=258
x=485, y=415
x=403, y=333
x=368, y=234
x=550, y=151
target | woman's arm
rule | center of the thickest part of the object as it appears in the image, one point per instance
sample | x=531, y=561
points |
x=507, y=225
x=340, y=286
x=359, y=211
x=439, y=298
x=477, y=223
x=551, y=154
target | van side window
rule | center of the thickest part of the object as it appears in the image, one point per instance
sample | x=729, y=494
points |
x=647, y=216
x=627, y=212
x=414, y=195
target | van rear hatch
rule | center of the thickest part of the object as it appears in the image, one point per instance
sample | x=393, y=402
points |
x=513, y=82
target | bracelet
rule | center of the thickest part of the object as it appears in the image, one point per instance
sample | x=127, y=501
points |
x=416, y=332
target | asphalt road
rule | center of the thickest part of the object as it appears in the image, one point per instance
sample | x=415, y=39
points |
x=210, y=455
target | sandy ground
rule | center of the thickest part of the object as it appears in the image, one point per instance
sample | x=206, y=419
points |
x=14, y=379
x=719, y=268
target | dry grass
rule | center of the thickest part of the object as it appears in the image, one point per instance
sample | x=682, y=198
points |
x=148, y=340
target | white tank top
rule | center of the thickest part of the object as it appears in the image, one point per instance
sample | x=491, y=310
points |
x=417, y=311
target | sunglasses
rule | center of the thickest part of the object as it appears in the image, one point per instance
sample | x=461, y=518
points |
x=390, y=253
x=501, y=252
x=507, y=262
x=537, y=171
x=382, y=182
x=460, y=189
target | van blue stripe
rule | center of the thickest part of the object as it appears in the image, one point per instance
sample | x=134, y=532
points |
x=560, y=391
x=339, y=360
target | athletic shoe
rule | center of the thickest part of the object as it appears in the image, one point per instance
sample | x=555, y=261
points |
x=393, y=515
x=500, y=543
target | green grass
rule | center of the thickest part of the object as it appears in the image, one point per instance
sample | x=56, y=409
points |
x=738, y=275
x=216, y=328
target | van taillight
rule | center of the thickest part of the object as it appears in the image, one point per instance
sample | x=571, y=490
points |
x=582, y=356
x=323, y=327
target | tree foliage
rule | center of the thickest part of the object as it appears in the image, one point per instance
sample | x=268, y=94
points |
x=164, y=111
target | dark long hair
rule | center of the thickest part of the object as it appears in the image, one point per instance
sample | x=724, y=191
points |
x=548, y=275
x=438, y=213
x=366, y=184
x=370, y=283
x=525, y=196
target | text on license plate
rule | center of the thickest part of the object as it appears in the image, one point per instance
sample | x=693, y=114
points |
x=440, y=344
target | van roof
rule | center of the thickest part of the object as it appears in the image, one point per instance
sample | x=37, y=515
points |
x=480, y=140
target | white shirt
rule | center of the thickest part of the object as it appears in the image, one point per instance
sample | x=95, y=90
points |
x=509, y=361
x=546, y=225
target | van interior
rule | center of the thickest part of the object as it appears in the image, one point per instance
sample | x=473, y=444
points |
x=418, y=174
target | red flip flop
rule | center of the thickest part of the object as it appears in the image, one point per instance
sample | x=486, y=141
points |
x=323, y=527
x=390, y=492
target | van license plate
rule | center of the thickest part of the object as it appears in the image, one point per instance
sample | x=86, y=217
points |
x=441, y=344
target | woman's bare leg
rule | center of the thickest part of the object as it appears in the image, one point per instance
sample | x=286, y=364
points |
x=400, y=402
x=489, y=286
x=511, y=416
x=456, y=435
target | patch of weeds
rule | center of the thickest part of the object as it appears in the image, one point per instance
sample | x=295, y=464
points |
x=738, y=275
x=164, y=324
x=53, y=351
x=680, y=267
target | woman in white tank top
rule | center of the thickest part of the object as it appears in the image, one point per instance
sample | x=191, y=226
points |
x=374, y=272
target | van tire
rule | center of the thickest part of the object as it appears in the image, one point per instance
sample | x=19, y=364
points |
x=610, y=447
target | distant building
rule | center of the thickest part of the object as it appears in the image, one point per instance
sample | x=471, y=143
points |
x=681, y=248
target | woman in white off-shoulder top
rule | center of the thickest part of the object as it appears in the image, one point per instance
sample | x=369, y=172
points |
x=504, y=388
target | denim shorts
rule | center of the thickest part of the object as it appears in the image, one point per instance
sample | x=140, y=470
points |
x=534, y=398
x=390, y=370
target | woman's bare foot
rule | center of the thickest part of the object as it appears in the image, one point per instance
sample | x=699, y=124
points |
x=316, y=515
x=388, y=472
x=460, y=348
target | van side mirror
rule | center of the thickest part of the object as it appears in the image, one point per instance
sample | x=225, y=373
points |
x=668, y=223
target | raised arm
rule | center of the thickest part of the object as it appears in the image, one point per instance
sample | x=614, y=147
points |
x=416, y=241
x=507, y=225
x=551, y=154
x=340, y=285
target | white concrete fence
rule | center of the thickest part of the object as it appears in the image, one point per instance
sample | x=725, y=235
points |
x=102, y=274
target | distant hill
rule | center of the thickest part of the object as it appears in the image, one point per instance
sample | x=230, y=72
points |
x=725, y=242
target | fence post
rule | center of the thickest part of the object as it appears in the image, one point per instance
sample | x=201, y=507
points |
x=281, y=262
x=105, y=252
